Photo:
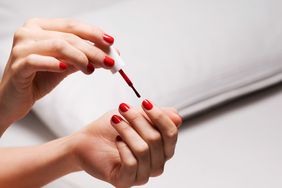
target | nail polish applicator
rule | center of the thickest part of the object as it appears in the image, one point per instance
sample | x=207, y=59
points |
x=119, y=64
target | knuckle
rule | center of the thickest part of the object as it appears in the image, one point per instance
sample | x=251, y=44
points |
x=172, y=134
x=31, y=21
x=14, y=68
x=71, y=24
x=154, y=137
x=127, y=129
x=16, y=51
x=131, y=164
x=97, y=31
x=142, y=181
x=96, y=55
x=58, y=44
x=143, y=151
x=19, y=34
x=29, y=61
x=170, y=154
x=83, y=58
x=71, y=38
x=158, y=116
x=134, y=117
x=158, y=171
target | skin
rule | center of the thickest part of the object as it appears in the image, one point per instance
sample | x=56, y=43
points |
x=148, y=137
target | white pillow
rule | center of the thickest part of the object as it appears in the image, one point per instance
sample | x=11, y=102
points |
x=188, y=54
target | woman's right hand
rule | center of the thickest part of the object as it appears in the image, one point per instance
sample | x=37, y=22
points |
x=44, y=52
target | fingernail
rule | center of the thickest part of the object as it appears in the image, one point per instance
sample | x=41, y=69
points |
x=109, y=61
x=90, y=68
x=124, y=107
x=63, y=66
x=109, y=39
x=118, y=139
x=147, y=104
x=116, y=119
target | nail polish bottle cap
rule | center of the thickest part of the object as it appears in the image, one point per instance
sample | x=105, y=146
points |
x=119, y=63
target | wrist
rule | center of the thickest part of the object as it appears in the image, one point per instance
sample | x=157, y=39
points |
x=5, y=121
x=76, y=145
x=66, y=153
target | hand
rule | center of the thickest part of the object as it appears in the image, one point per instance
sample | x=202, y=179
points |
x=44, y=52
x=127, y=151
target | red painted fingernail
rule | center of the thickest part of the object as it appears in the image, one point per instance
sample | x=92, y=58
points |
x=124, y=107
x=116, y=119
x=109, y=39
x=118, y=139
x=147, y=105
x=109, y=61
x=63, y=66
x=90, y=68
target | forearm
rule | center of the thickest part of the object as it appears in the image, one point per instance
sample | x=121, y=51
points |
x=38, y=165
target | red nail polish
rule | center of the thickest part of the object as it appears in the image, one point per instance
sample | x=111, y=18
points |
x=63, y=66
x=116, y=119
x=147, y=105
x=109, y=39
x=118, y=139
x=109, y=61
x=90, y=68
x=124, y=107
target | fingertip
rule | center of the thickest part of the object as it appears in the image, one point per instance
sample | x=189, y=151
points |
x=109, y=40
x=147, y=104
x=118, y=139
x=90, y=68
x=63, y=66
x=176, y=118
x=109, y=62
x=179, y=120
x=116, y=119
x=123, y=107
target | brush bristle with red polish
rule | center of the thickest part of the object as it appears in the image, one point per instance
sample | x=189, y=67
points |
x=128, y=81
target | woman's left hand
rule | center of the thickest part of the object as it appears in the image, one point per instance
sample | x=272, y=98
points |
x=128, y=150
x=124, y=150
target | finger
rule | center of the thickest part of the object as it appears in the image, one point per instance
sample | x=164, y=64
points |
x=57, y=48
x=173, y=115
x=85, y=31
x=95, y=55
x=164, y=124
x=34, y=63
x=137, y=145
x=128, y=167
x=149, y=134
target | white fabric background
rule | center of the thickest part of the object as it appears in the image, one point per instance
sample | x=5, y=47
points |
x=188, y=54
x=238, y=147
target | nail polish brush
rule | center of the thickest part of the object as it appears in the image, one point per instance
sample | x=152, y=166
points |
x=119, y=64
